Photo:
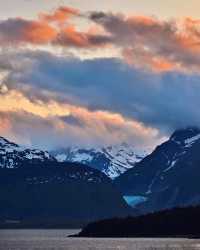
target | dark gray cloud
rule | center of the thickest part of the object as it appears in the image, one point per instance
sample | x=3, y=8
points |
x=72, y=120
x=165, y=101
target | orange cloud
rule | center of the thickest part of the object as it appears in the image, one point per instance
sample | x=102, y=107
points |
x=52, y=29
x=39, y=33
x=141, y=20
x=19, y=31
x=69, y=36
x=5, y=125
x=137, y=57
x=166, y=45
x=161, y=64
x=60, y=15
x=145, y=42
x=18, y=114
x=189, y=38
x=14, y=101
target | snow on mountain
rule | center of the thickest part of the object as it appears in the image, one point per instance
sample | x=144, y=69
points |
x=111, y=160
x=169, y=176
x=11, y=154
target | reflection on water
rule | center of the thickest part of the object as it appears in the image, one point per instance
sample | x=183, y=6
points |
x=58, y=240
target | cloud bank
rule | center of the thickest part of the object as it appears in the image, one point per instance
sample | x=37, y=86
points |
x=140, y=96
x=145, y=42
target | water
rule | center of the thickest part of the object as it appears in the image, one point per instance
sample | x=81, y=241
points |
x=134, y=200
x=58, y=240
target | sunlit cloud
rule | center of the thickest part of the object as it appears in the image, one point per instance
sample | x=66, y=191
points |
x=145, y=42
x=150, y=43
x=119, y=77
x=60, y=15
x=68, y=124
x=103, y=84
x=15, y=101
x=54, y=28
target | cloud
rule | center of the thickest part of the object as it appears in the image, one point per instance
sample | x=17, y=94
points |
x=149, y=90
x=54, y=28
x=140, y=58
x=72, y=120
x=154, y=44
x=162, y=101
x=18, y=31
x=145, y=42
x=53, y=124
x=60, y=15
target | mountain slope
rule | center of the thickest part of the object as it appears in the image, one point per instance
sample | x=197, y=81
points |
x=168, y=177
x=111, y=160
x=67, y=193
x=36, y=190
x=12, y=155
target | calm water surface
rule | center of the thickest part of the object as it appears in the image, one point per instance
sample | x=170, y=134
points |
x=58, y=240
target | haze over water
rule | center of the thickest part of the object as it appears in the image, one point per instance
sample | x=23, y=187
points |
x=58, y=240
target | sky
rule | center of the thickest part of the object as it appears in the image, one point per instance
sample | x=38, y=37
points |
x=92, y=73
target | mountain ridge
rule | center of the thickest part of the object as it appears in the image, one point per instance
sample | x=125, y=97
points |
x=49, y=194
x=12, y=154
x=162, y=177
x=112, y=160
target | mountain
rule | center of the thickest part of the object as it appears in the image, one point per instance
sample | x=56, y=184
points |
x=111, y=160
x=174, y=223
x=169, y=176
x=12, y=155
x=36, y=190
x=49, y=194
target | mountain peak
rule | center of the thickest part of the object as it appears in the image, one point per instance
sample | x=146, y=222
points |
x=112, y=160
x=5, y=141
x=162, y=178
x=182, y=135
x=12, y=154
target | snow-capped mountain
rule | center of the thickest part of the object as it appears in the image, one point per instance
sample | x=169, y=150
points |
x=12, y=155
x=111, y=160
x=36, y=188
x=168, y=177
